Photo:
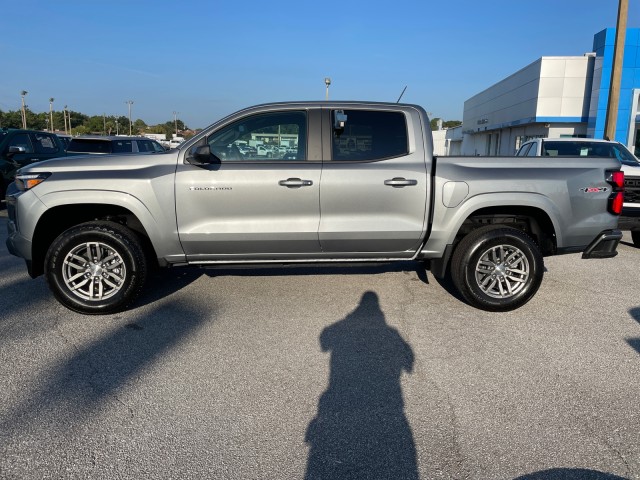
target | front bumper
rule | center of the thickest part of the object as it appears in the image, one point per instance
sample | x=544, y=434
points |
x=604, y=245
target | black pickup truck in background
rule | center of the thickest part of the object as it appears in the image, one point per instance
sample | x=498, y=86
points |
x=22, y=147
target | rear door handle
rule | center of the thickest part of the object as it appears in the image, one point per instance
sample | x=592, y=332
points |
x=399, y=182
x=295, y=183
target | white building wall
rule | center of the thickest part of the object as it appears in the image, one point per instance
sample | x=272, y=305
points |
x=447, y=142
x=549, y=97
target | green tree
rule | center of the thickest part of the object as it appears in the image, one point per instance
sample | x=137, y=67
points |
x=139, y=127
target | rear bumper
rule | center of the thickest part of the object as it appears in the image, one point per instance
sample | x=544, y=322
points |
x=630, y=218
x=604, y=245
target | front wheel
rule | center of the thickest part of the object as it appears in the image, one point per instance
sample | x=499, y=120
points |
x=96, y=267
x=497, y=268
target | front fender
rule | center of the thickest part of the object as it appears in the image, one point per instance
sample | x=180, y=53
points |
x=159, y=224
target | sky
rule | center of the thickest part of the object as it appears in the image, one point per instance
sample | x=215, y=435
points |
x=207, y=59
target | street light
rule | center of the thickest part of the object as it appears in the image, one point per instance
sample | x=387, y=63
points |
x=129, y=102
x=51, y=114
x=327, y=82
x=64, y=114
x=24, y=112
x=175, y=121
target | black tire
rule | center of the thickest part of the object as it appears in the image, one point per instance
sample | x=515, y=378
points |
x=635, y=236
x=481, y=271
x=96, y=267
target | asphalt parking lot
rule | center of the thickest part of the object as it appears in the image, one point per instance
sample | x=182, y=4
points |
x=362, y=372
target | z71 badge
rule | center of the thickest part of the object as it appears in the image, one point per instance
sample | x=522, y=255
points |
x=594, y=189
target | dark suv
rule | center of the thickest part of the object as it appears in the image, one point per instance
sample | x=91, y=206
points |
x=22, y=147
x=113, y=144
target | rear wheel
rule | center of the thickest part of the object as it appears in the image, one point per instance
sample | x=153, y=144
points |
x=497, y=268
x=96, y=267
x=635, y=236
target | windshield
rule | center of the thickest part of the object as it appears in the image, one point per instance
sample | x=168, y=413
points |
x=589, y=149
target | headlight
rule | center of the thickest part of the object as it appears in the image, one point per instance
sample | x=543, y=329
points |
x=26, y=181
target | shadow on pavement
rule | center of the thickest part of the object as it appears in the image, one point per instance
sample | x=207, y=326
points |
x=70, y=392
x=360, y=430
x=569, y=474
x=635, y=342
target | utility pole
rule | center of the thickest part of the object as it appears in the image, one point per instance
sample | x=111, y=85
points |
x=104, y=119
x=616, y=71
x=64, y=115
x=24, y=111
x=175, y=121
x=129, y=102
x=51, y=129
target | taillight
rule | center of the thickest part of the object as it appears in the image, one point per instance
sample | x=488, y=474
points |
x=616, y=199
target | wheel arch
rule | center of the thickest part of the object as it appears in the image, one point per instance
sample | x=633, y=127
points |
x=59, y=218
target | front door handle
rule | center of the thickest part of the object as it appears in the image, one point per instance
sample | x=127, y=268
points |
x=295, y=183
x=399, y=182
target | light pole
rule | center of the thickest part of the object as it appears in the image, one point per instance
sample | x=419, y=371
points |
x=129, y=102
x=104, y=118
x=175, y=121
x=24, y=112
x=64, y=115
x=327, y=82
x=616, y=71
x=51, y=114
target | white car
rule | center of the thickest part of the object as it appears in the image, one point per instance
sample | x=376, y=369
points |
x=582, y=147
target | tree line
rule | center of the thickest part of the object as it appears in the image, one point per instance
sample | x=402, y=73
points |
x=445, y=123
x=82, y=124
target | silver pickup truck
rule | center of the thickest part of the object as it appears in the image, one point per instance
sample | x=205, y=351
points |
x=310, y=182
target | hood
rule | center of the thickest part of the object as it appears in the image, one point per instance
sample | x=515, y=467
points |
x=80, y=163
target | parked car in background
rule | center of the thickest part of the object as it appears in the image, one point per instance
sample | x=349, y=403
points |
x=22, y=147
x=175, y=143
x=65, y=139
x=113, y=144
x=590, y=147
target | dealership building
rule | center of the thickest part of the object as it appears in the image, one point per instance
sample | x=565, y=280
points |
x=556, y=97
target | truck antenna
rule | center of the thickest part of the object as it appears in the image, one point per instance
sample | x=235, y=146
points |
x=398, y=101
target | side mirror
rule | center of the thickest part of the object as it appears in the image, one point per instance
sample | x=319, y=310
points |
x=201, y=155
x=16, y=149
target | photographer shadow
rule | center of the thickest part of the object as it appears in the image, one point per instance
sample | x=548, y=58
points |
x=360, y=430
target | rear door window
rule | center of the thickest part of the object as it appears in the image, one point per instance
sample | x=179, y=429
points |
x=369, y=135
x=121, y=146
x=45, y=143
x=89, y=145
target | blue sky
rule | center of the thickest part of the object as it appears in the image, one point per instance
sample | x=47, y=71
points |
x=206, y=59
